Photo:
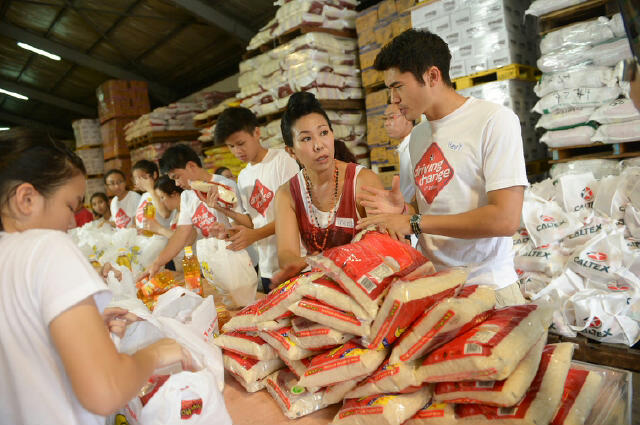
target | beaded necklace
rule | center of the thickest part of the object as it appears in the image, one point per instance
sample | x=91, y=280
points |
x=332, y=212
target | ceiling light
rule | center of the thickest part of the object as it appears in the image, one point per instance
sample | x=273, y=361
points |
x=39, y=51
x=5, y=128
x=14, y=94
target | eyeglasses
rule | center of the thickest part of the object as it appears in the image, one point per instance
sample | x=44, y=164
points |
x=117, y=183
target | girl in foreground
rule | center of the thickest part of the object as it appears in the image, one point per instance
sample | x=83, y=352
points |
x=319, y=205
x=53, y=338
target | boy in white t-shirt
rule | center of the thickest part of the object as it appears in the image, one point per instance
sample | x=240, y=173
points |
x=468, y=168
x=182, y=165
x=124, y=202
x=258, y=182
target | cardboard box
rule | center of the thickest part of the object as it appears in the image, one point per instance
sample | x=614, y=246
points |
x=368, y=57
x=401, y=24
x=403, y=5
x=367, y=19
x=457, y=69
x=422, y=15
x=383, y=32
x=386, y=8
x=121, y=98
x=387, y=178
x=113, y=140
x=366, y=37
x=376, y=99
x=440, y=26
x=379, y=155
x=370, y=77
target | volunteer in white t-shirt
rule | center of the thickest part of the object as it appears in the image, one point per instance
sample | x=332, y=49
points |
x=266, y=171
x=57, y=361
x=124, y=202
x=468, y=167
x=182, y=165
x=145, y=174
x=399, y=128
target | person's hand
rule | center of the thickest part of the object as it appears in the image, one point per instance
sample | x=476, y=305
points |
x=287, y=272
x=241, y=237
x=381, y=201
x=116, y=319
x=396, y=225
x=218, y=230
x=145, y=183
x=152, y=225
x=167, y=352
x=108, y=267
x=152, y=270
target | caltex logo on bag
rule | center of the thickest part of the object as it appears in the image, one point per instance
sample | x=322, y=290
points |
x=597, y=256
x=547, y=219
x=587, y=194
x=595, y=323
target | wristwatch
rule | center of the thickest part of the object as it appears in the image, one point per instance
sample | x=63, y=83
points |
x=414, y=221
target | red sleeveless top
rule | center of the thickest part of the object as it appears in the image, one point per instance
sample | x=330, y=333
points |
x=343, y=227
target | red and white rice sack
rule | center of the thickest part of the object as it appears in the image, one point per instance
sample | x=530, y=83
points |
x=276, y=304
x=341, y=364
x=434, y=414
x=389, y=378
x=494, y=393
x=325, y=314
x=298, y=367
x=382, y=409
x=336, y=393
x=294, y=401
x=246, y=345
x=366, y=268
x=444, y=321
x=249, y=370
x=329, y=292
x=245, y=320
x=250, y=387
x=491, y=351
x=407, y=300
x=315, y=336
x=581, y=390
x=541, y=401
x=286, y=348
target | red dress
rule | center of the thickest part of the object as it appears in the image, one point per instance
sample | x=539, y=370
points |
x=342, y=229
x=83, y=217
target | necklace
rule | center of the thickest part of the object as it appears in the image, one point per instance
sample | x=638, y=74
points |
x=332, y=212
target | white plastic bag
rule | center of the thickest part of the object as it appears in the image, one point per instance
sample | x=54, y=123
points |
x=609, y=54
x=564, y=57
x=546, y=222
x=148, y=249
x=580, y=135
x=582, y=33
x=611, y=197
x=230, y=271
x=576, y=193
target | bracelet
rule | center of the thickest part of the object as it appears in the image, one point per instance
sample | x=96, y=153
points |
x=414, y=221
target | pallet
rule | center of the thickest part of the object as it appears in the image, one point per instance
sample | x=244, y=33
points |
x=595, y=151
x=613, y=355
x=293, y=33
x=206, y=123
x=163, y=136
x=581, y=12
x=509, y=72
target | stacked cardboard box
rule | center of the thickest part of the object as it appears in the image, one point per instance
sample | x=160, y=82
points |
x=89, y=149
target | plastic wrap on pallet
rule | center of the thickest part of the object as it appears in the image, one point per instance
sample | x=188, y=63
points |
x=565, y=57
x=622, y=132
x=617, y=25
x=587, y=76
x=609, y=54
x=583, y=33
x=580, y=135
x=542, y=7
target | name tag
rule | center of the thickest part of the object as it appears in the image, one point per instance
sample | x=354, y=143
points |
x=345, y=222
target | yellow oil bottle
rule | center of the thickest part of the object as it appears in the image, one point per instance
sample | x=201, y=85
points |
x=191, y=269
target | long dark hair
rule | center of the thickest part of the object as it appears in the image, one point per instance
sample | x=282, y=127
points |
x=29, y=156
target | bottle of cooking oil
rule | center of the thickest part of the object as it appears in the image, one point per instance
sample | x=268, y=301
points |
x=191, y=269
x=149, y=212
x=123, y=258
x=95, y=263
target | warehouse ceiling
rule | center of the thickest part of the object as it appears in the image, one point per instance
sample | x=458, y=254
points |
x=177, y=46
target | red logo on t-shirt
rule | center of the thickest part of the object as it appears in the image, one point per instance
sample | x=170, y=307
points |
x=432, y=173
x=122, y=219
x=203, y=219
x=261, y=197
x=140, y=212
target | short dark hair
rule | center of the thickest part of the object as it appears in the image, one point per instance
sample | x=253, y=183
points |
x=114, y=171
x=221, y=170
x=166, y=185
x=147, y=166
x=232, y=120
x=415, y=51
x=299, y=105
x=30, y=156
x=176, y=157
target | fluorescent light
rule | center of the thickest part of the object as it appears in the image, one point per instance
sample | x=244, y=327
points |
x=39, y=51
x=14, y=94
x=5, y=128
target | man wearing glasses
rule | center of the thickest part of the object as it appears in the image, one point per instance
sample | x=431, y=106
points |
x=399, y=128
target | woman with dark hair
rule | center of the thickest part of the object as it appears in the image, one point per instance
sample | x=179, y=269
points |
x=124, y=202
x=100, y=207
x=145, y=174
x=52, y=314
x=319, y=205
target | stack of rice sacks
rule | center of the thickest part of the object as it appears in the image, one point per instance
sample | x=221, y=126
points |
x=580, y=87
x=397, y=347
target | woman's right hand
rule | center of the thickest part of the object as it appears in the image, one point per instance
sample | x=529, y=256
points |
x=152, y=225
x=167, y=352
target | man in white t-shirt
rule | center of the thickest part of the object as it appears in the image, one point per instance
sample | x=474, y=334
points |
x=182, y=165
x=266, y=171
x=468, y=168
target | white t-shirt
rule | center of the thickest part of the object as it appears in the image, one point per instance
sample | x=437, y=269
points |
x=456, y=161
x=195, y=212
x=145, y=199
x=406, y=182
x=123, y=211
x=257, y=185
x=42, y=275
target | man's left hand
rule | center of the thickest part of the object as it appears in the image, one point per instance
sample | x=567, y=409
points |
x=397, y=225
x=241, y=237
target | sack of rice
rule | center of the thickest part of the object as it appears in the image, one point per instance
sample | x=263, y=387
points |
x=294, y=401
x=315, y=336
x=287, y=349
x=246, y=345
x=325, y=314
